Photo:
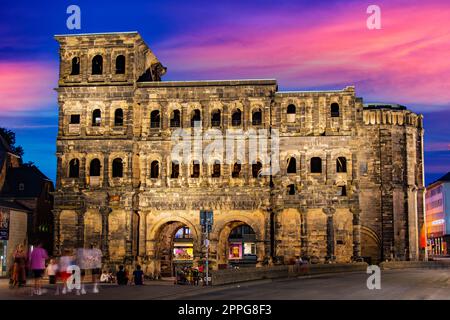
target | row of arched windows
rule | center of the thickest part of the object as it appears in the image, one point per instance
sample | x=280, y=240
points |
x=316, y=165
x=97, y=118
x=175, y=120
x=95, y=168
x=195, y=118
x=97, y=65
x=334, y=109
x=117, y=169
x=195, y=172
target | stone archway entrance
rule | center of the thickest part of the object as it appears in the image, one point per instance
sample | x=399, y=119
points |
x=175, y=247
x=238, y=245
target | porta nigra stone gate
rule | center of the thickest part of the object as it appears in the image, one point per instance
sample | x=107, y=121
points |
x=350, y=184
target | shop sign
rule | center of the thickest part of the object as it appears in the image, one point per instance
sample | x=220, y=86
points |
x=4, y=224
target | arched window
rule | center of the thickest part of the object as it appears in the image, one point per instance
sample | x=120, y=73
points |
x=175, y=170
x=334, y=108
x=291, y=165
x=195, y=119
x=74, y=168
x=236, y=118
x=291, y=109
x=117, y=168
x=256, y=169
x=97, y=65
x=216, y=169
x=290, y=113
x=257, y=117
x=195, y=169
x=118, y=117
x=215, y=118
x=155, y=119
x=175, y=121
x=75, y=66
x=94, y=168
x=120, y=64
x=316, y=165
x=236, y=170
x=154, y=170
x=291, y=189
x=341, y=164
x=96, y=118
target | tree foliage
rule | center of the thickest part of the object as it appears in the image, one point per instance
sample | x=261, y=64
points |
x=10, y=138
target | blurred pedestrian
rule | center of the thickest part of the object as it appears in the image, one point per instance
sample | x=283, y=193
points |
x=64, y=262
x=96, y=255
x=82, y=261
x=37, y=264
x=52, y=269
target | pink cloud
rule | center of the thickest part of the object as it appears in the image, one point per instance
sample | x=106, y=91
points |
x=27, y=85
x=406, y=61
x=437, y=146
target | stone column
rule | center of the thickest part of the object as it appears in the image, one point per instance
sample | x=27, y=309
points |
x=82, y=173
x=106, y=170
x=330, y=233
x=105, y=211
x=303, y=233
x=59, y=172
x=268, y=238
x=57, y=232
x=80, y=227
x=356, y=234
x=129, y=235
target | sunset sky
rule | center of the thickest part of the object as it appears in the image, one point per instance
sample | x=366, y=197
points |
x=302, y=44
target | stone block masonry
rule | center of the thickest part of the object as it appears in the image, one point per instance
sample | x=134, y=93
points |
x=349, y=187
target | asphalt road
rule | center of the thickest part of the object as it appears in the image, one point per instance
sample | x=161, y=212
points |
x=395, y=285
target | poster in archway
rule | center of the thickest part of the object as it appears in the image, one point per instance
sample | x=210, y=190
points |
x=235, y=250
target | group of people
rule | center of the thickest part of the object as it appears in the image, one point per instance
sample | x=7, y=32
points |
x=123, y=278
x=58, y=270
x=189, y=275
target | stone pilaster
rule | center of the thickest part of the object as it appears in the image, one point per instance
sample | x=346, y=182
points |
x=105, y=211
x=80, y=227
x=330, y=233
x=303, y=232
x=57, y=232
x=356, y=233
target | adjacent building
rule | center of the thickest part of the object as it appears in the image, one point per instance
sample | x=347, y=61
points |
x=437, y=201
x=25, y=206
x=349, y=185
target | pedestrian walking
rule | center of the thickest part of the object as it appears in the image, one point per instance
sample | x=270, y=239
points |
x=52, y=269
x=64, y=262
x=96, y=255
x=37, y=265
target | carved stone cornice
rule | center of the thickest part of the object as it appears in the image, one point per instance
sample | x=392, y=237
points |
x=329, y=211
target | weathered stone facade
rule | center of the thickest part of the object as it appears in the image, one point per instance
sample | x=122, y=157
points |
x=372, y=208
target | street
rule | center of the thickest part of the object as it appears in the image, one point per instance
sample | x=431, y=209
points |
x=395, y=284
